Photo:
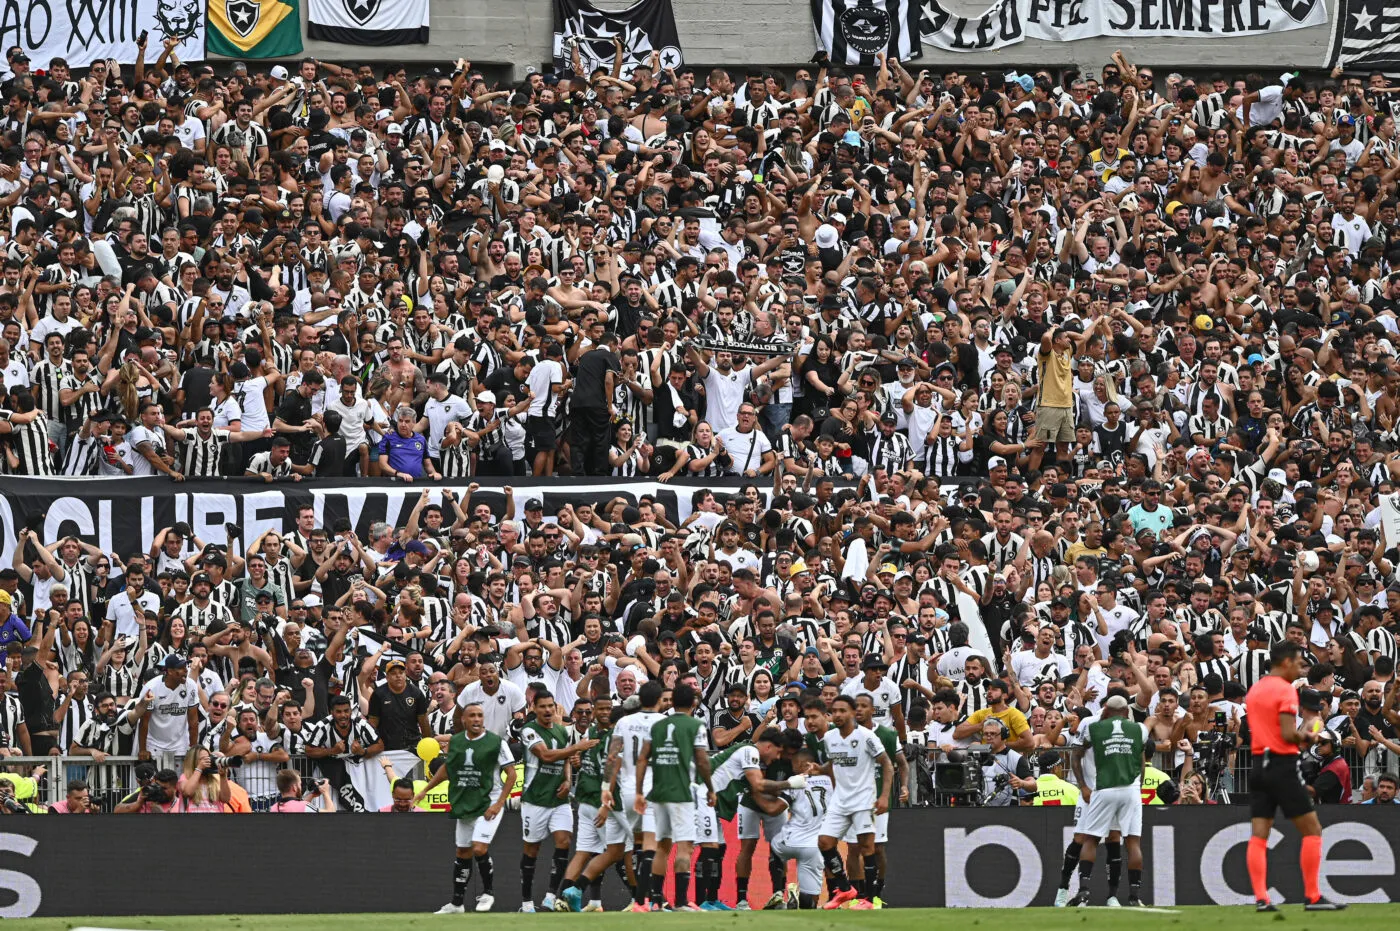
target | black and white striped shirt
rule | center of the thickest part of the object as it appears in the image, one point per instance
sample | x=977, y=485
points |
x=941, y=457
x=203, y=618
x=77, y=413
x=891, y=453
x=199, y=455
x=46, y=378
x=80, y=458
x=999, y=554
x=262, y=464
x=326, y=735
x=1250, y=666
x=31, y=445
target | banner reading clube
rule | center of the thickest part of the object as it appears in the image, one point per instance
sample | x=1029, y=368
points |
x=84, y=31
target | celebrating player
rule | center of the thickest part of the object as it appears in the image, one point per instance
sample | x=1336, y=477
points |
x=676, y=754
x=597, y=837
x=852, y=754
x=544, y=805
x=476, y=794
x=866, y=710
x=1114, y=794
x=798, y=840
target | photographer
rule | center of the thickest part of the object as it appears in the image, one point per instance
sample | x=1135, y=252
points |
x=203, y=786
x=1332, y=784
x=290, y=797
x=1005, y=773
x=157, y=795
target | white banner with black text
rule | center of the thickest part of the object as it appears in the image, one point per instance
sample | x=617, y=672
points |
x=84, y=31
x=1007, y=22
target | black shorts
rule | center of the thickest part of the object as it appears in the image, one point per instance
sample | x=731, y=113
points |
x=541, y=434
x=1275, y=783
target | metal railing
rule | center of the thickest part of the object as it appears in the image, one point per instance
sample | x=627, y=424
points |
x=972, y=777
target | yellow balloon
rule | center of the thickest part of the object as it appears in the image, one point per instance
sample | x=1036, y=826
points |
x=429, y=749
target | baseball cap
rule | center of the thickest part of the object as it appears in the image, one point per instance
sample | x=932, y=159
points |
x=874, y=662
x=278, y=73
x=174, y=661
x=396, y=662
x=393, y=129
x=486, y=397
x=996, y=462
x=534, y=504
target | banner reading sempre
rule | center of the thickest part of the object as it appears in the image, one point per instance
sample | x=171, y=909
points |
x=1007, y=22
x=369, y=22
x=84, y=32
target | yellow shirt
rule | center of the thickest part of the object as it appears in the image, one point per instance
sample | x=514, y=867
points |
x=1152, y=777
x=435, y=800
x=1079, y=549
x=1011, y=717
x=1052, y=790
x=1056, y=378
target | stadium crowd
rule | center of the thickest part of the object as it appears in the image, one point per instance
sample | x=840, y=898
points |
x=1040, y=389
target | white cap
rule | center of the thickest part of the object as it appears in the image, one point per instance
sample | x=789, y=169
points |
x=838, y=218
x=485, y=397
x=1278, y=475
x=383, y=115
x=278, y=73
x=312, y=600
x=826, y=236
x=994, y=462
x=498, y=146
x=393, y=129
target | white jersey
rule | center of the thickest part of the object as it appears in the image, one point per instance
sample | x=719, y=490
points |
x=806, y=809
x=170, y=727
x=633, y=730
x=884, y=695
x=735, y=766
x=853, y=766
x=1086, y=756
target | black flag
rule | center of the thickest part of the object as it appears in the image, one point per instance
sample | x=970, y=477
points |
x=645, y=27
x=1366, y=36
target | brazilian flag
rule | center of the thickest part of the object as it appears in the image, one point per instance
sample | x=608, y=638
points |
x=254, y=28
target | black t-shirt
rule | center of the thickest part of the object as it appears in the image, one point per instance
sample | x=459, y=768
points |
x=726, y=720
x=590, y=387
x=398, y=715
x=36, y=698
x=295, y=410
x=196, y=387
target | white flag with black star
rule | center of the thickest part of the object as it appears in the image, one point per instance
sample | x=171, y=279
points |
x=368, y=22
x=854, y=32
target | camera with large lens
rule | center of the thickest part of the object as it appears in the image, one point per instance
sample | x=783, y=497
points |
x=957, y=778
x=156, y=793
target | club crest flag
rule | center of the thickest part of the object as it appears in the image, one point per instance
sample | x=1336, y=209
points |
x=254, y=28
x=368, y=22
